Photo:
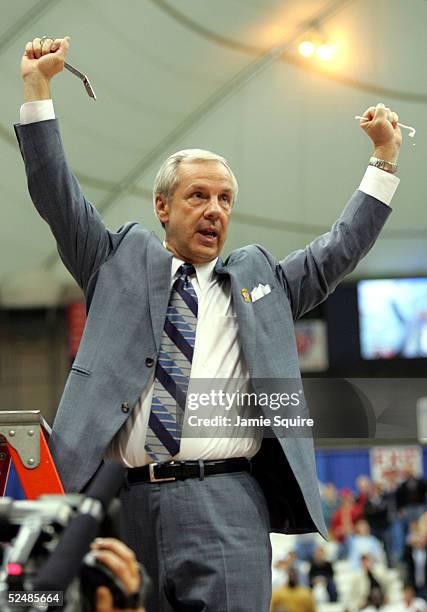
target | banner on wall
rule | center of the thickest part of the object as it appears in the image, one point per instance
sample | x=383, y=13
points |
x=394, y=462
x=312, y=345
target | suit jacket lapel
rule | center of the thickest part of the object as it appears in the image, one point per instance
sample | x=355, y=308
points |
x=244, y=311
x=159, y=263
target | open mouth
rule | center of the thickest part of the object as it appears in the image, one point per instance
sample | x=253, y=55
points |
x=209, y=235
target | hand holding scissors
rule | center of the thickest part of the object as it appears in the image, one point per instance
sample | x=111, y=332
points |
x=51, y=53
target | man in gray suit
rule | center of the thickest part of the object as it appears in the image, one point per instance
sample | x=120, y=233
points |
x=198, y=510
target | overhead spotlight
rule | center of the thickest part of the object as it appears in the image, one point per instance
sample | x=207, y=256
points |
x=325, y=52
x=307, y=48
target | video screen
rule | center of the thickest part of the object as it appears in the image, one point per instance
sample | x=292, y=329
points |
x=393, y=318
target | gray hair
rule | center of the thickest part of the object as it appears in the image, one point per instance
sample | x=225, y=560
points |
x=167, y=177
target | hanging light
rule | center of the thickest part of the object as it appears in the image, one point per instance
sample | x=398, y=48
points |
x=316, y=42
x=325, y=52
x=307, y=48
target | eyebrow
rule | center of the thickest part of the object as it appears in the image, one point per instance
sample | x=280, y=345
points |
x=196, y=186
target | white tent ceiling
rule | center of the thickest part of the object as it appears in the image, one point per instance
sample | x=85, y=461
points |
x=198, y=73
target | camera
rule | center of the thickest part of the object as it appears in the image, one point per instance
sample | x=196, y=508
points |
x=46, y=563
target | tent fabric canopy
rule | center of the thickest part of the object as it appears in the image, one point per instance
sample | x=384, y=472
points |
x=172, y=75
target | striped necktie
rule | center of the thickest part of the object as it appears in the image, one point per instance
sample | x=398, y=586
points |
x=173, y=369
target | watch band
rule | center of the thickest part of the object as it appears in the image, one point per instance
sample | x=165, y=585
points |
x=138, y=599
x=388, y=166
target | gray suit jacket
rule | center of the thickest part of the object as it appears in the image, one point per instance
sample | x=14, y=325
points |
x=117, y=270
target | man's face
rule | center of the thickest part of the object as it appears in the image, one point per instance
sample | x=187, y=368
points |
x=362, y=528
x=408, y=595
x=196, y=215
x=319, y=554
x=363, y=484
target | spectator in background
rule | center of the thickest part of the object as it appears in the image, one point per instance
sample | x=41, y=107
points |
x=414, y=533
x=321, y=571
x=395, y=532
x=378, y=517
x=344, y=519
x=292, y=597
x=363, y=489
x=391, y=479
x=330, y=502
x=279, y=574
x=411, y=497
x=282, y=567
x=377, y=603
x=363, y=543
x=381, y=607
x=365, y=585
x=422, y=524
x=305, y=546
x=415, y=559
x=410, y=602
x=296, y=563
x=376, y=510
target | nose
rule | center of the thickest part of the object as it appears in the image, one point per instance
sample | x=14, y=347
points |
x=213, y=208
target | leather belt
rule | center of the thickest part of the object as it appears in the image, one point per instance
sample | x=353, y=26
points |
x=180, y=470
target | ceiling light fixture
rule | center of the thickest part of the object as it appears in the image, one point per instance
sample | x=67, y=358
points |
x=318, y=44
x=307, y=48
x=325, y=52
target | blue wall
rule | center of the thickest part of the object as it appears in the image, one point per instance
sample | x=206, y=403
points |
x=342, y=467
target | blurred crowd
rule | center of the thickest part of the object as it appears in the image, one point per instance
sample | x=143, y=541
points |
x=378, y=541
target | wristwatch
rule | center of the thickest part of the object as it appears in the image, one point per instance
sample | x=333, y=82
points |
x=135, y=601
x=388, y=166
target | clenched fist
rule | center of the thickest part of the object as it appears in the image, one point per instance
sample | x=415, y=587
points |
x=380, y=123
x=44, y=58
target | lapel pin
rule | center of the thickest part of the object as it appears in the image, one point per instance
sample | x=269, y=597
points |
x=246, y=295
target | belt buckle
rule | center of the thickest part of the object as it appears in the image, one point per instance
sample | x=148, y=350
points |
x=153, y=478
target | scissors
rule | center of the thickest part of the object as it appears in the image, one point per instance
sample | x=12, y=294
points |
x=77, y=73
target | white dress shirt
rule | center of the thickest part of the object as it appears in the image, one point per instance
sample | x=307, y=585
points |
x=217, y=355
x=217, y=352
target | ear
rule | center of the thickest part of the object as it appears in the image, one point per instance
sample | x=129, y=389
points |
x=162, y=208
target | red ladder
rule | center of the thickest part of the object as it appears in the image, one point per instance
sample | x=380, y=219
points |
x=23, y=440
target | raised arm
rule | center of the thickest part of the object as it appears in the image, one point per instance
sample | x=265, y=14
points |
x=83, y=241
x=311, y=274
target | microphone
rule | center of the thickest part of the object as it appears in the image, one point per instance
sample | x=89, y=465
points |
x=65, y=562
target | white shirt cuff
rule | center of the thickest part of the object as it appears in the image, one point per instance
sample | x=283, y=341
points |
x=39, y=110
x=379, y=184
